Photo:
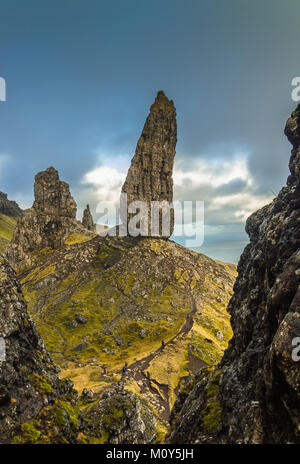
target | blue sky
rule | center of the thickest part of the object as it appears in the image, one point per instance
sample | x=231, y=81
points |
x=81, y=76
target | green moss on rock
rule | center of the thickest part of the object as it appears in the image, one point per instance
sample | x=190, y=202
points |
x=29, y=434
x=211, y=414
x=40, y=383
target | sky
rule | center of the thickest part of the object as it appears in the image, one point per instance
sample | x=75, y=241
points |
x=81, y=76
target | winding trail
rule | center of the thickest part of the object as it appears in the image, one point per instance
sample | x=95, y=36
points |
x=139, y=369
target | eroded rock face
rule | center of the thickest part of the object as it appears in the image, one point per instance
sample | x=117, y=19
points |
x=30, y=390
x=258, y=400
x=50, y=220
x=121, y=417
x=52, y=196
x=87, y=220
x=150, y=175
x=8, y=207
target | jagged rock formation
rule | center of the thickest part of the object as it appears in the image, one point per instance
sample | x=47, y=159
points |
x=48, y=223
x=120, y=417
x=35, y=405
x=87, y=219
x=149, y=177
x=254, y=395
x=8, y=207
x=52, y=196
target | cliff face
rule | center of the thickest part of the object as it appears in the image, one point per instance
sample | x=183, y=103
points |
x=48, y=223
x=8, y=207
x=32, y=397
x=254, y=395
x=150, y=175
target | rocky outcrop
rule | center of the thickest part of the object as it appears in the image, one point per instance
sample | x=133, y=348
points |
x=8, y=207
x=150, y=175
x=48, y=223
x=52, y=196
x=87, y=219
x=35, y=405
x=257, y=396
x=120, y=417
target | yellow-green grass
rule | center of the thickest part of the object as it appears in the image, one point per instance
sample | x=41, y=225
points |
x=76, y=237
x=7, y=227
x=170, y=366
x=119, y=299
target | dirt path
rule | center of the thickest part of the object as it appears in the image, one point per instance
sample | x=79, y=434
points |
x=139, y=370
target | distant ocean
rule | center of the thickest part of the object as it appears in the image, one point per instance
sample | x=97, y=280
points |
x=228, y=251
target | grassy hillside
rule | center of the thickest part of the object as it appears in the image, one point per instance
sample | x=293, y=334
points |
x=101, y=302
x=7, y=227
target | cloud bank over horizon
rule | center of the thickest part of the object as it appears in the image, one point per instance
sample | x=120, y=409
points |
x=226, y=186
x=93, y=72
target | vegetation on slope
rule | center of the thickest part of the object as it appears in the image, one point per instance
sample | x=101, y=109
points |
x=102, y=302
x=7, y=227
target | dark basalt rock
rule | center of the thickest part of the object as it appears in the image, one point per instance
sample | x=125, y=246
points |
x=121, y=417
x=8, y=207
x=87, y=219
x=149, y=177
x=258, y=398
x=80, y=319
x=48, y=223
x=52, y=196
x=30, y=390
x=81, y=346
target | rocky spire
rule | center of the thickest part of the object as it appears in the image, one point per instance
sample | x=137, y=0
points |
x=87, y=219
x=149, y=177
x=50, y=220
x=52, y=196
x=8, y=207
x=292, y=131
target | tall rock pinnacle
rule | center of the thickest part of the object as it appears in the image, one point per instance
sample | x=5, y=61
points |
x=87, y=219
x=149, y=177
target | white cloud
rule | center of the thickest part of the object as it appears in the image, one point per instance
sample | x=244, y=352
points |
x=226, y=187
x=214, y=173
x=107, y=182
